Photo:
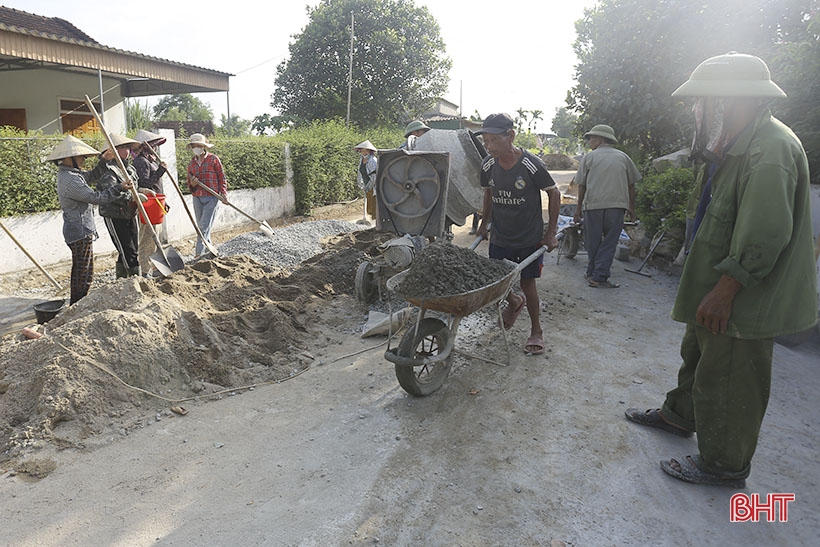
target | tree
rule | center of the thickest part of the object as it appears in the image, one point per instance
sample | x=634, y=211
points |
x=536, y=115
x=659, y=43
x=184, y=108
x=520, y=119
x=139, y=115
x=237, y=128
x=265, y=124
x=563, y=123
x=399, y=63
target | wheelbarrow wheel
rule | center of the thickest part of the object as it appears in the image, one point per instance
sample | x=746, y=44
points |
x=430, y=340
x=365, y=283
x=571, y=243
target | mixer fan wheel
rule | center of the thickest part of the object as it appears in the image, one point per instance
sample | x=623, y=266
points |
x=410, y=186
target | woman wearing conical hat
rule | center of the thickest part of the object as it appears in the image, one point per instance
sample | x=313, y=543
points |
x=76, y=198
x=120, y=215
x=366, y=174
x=150, y=170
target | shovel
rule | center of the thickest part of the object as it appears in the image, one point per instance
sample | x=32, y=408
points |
x=208, y=244
x=648, y=256
x=25, y=252
x=264, y=227
x=166, y=260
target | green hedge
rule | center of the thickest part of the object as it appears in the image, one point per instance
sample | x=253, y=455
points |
x=661, y=200
x=324, y=164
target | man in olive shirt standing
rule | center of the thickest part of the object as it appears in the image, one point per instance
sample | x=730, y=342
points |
x=606, y=180
x=750, y=274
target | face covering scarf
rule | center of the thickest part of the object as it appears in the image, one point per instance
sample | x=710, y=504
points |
x=710, y=131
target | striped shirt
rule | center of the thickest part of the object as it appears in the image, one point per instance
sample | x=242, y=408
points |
x=209, y=172
x=76, y=198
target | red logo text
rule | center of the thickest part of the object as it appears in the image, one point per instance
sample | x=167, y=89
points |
x=745, y=508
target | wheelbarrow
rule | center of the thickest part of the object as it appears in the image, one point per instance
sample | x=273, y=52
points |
x=424, y=355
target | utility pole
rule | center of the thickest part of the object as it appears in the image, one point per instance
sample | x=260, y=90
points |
x=350, y=72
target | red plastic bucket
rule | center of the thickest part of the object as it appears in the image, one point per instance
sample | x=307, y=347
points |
x=154, y=208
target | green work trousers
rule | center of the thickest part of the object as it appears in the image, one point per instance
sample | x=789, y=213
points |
x=722, y=394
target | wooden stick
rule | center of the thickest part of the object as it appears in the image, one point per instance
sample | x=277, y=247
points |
x=14, y=239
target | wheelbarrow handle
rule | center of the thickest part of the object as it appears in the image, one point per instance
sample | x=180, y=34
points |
x=532, y=258
x=474, y=245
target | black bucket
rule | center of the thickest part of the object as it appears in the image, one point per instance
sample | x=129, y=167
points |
x=46, y=311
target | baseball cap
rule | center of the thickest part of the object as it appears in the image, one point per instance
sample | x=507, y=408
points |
x=496, y=124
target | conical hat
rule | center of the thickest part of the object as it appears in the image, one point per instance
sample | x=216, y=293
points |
x=71, y=147
x=151, y=138
x=367, y=145
x=119, y=140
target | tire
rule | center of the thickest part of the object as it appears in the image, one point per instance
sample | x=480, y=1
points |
x=365, y=283
x=431, y=339
x=572, y=241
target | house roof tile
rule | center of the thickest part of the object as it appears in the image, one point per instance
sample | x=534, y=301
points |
x=53, y=26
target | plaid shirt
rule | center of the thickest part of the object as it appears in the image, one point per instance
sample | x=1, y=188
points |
x=208, y=172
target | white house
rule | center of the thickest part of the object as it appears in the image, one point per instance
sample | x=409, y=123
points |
x=47, y=66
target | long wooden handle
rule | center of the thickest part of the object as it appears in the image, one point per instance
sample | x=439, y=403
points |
x=20, y=245
x=228, y=203
x=181, y=195
x=121, y=165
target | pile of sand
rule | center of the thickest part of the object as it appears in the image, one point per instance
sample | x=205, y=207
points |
x=215, y=326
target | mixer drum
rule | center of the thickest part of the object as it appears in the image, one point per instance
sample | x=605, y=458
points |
x=464, y=195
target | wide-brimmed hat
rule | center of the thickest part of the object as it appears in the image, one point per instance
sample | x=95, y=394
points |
x=366, y=145
x=71, y=147
x=198, y=139
x=730, y=75
x=415, y=125
x=602, y=130
x=151, y=138
x=496, y=124
x=120, y=140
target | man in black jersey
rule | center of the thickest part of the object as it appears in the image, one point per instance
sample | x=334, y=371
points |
x=512, y=179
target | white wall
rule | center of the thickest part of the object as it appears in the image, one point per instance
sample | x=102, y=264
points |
x=41, y=234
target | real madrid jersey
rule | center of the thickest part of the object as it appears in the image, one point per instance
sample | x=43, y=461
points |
x=517, y=221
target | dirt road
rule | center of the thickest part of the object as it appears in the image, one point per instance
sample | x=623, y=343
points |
x=523, y=455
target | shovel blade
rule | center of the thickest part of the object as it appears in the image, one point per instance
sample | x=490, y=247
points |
x=211, y=248
x=167, y=261
x=266, y=229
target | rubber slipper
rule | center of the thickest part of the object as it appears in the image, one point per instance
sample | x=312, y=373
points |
x=688, y=470
x=181, y=410
x=653, y=418
x=509, y=315
x=534, y=342
x=605, y=284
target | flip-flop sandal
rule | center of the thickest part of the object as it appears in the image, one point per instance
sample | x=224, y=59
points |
x=181, y=410
x=605, y=284
x=687, y=470
x=653, y=418
x=535, y=342
x=509, y=315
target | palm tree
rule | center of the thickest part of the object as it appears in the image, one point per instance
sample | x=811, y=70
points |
x=536, y=115
x=520, y=119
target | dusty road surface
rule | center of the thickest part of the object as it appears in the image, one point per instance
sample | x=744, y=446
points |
x=531, y=454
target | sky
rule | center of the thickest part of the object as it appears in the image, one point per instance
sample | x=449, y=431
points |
x=506, y=55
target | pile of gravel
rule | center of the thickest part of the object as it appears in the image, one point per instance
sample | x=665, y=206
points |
x=290, y=245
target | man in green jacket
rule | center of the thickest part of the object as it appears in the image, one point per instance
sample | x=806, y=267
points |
x=750, y=273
